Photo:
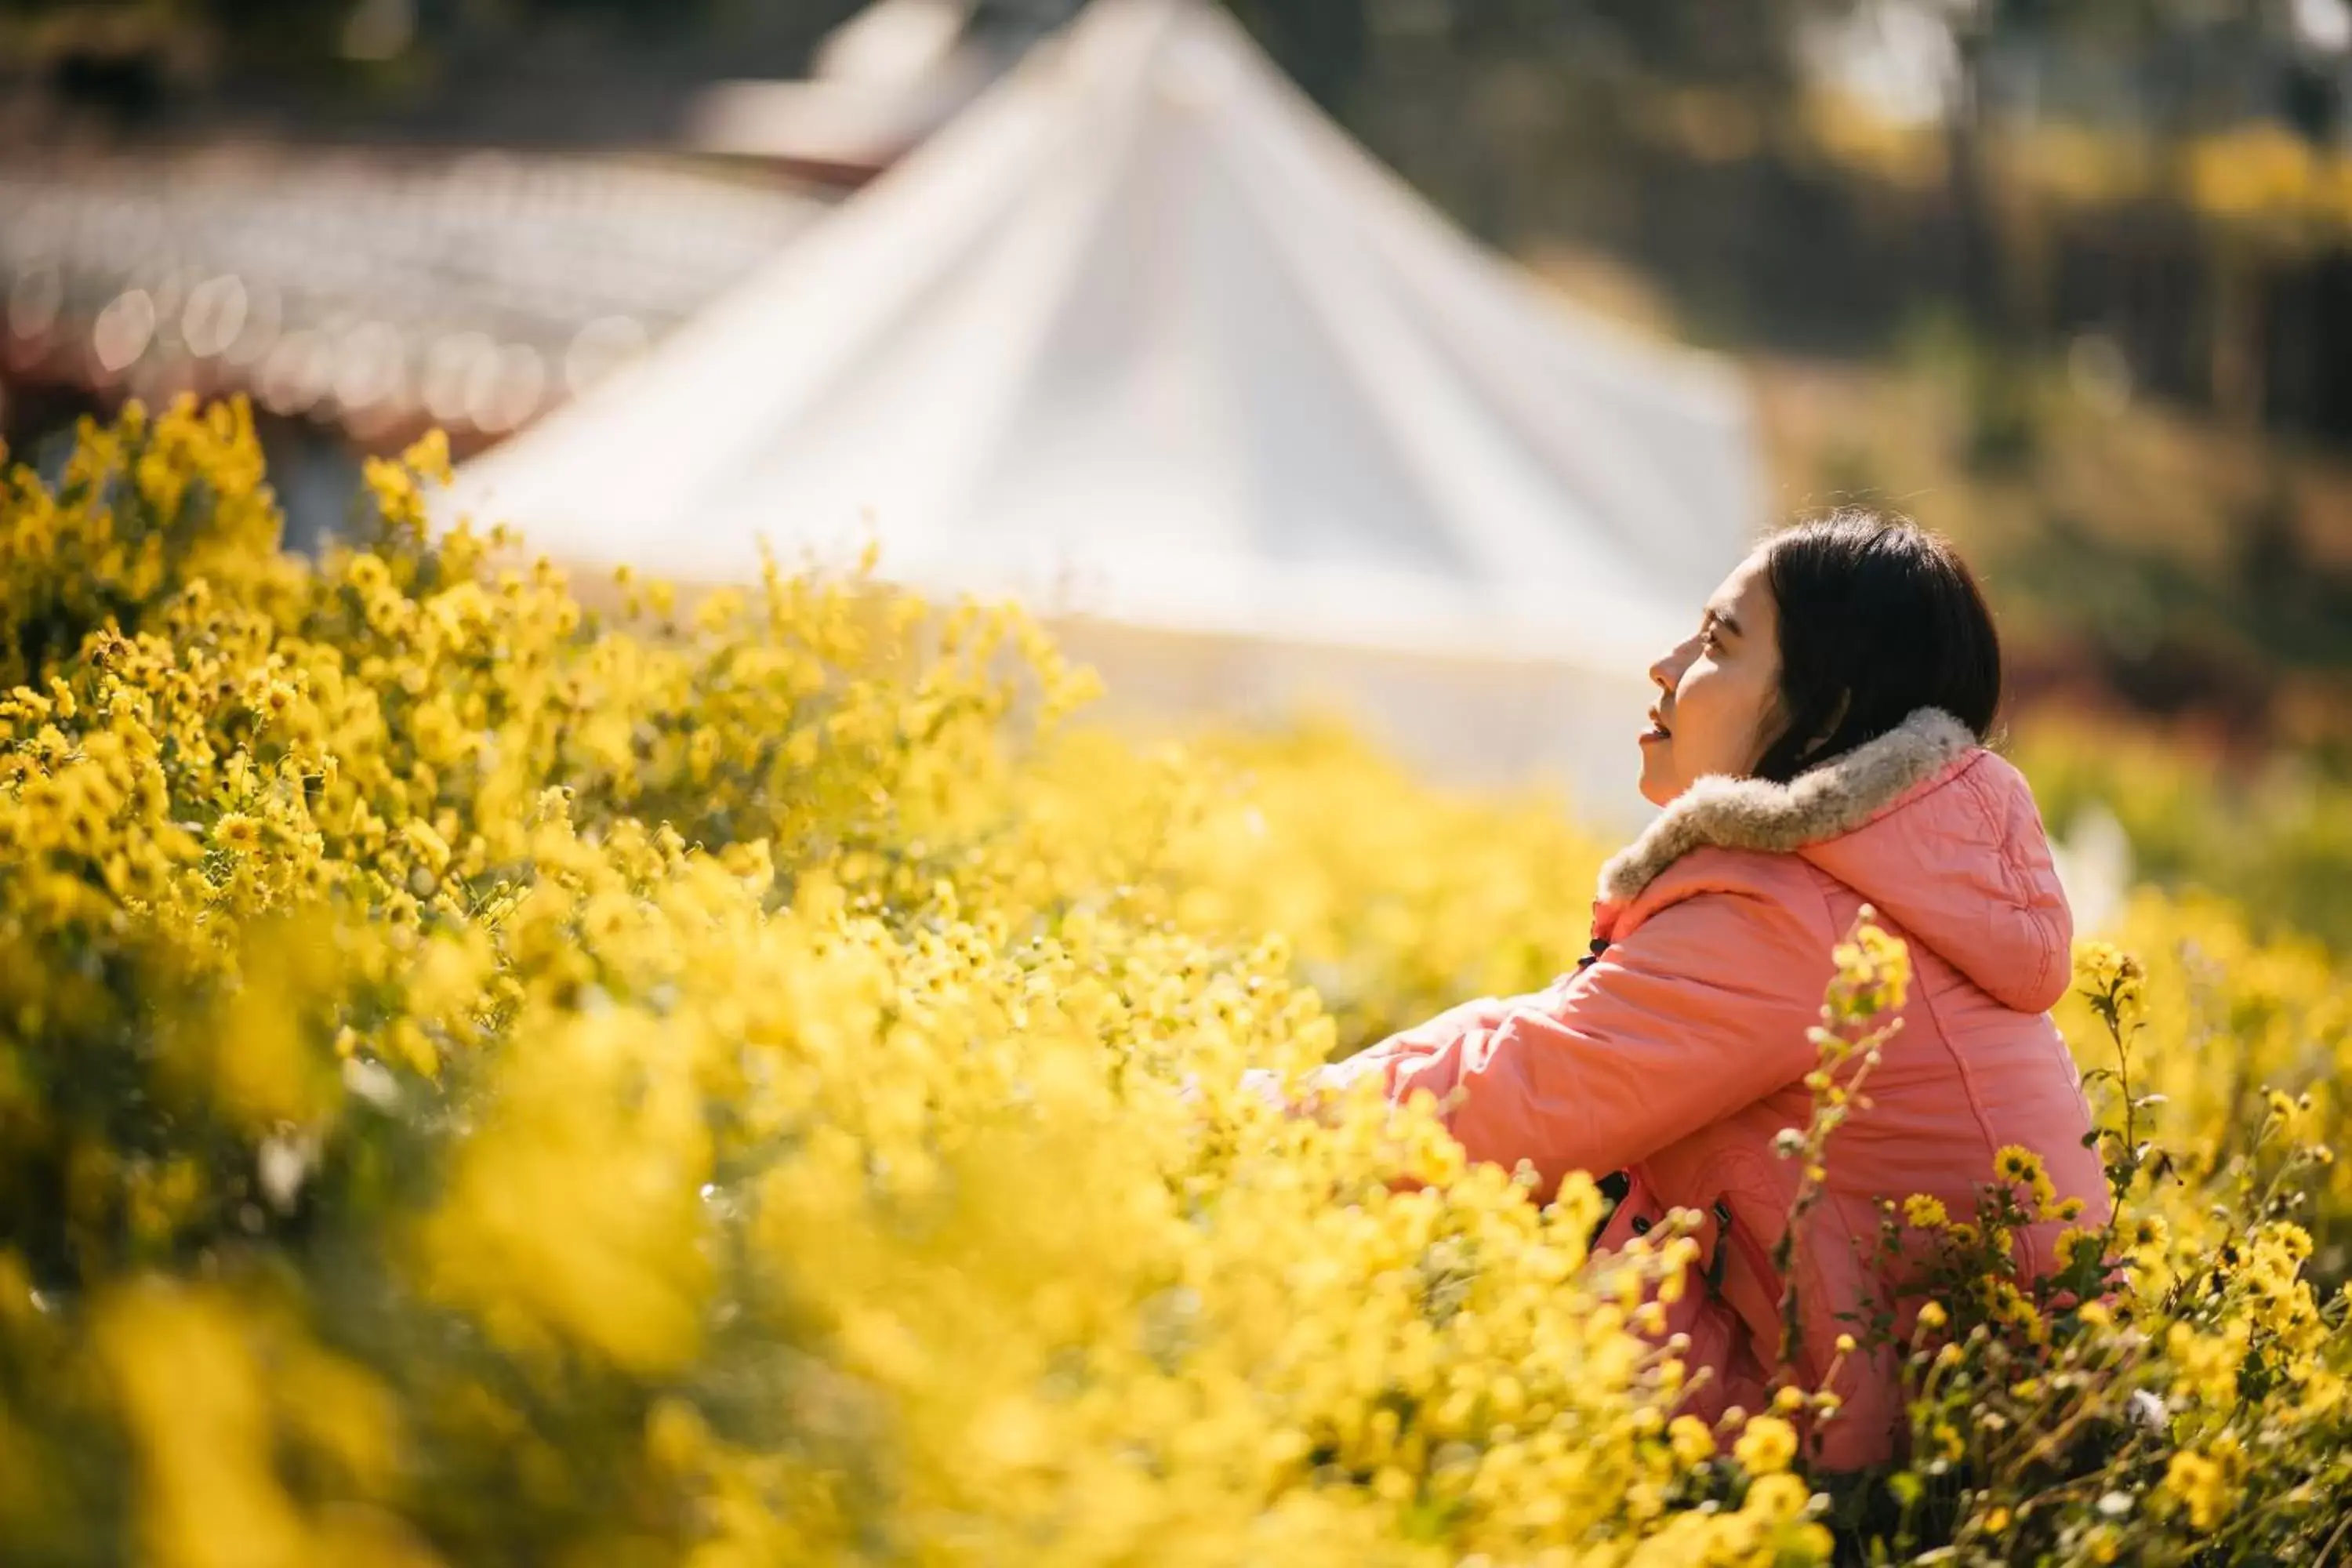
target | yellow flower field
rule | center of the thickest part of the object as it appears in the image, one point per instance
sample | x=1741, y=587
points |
x=483, y=1080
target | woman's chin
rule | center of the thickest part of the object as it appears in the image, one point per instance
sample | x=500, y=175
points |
x=1657, y=787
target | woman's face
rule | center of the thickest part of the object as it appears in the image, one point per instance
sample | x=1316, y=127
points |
x=1718, y=690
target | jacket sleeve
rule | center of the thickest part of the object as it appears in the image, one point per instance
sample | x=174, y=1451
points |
x=1422, y=1039
x=1703, y=1009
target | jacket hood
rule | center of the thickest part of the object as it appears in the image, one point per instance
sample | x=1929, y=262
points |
x=1938, y=834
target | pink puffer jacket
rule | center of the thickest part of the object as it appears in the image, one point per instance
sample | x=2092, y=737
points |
x=1677, y=1054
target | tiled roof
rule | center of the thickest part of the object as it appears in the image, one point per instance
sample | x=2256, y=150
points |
x=380, y=291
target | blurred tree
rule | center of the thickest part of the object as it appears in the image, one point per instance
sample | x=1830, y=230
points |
x=1323, y=44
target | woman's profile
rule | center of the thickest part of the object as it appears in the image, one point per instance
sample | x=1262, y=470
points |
x=1817, y=744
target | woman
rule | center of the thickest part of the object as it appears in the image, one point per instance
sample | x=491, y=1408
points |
x=1816, y=745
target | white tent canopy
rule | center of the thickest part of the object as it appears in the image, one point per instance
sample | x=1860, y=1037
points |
x=1143, y=338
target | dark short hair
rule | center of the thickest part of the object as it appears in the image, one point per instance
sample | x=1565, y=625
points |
x=1879, y=619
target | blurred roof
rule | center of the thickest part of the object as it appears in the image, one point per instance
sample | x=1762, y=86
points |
x=1142, y=334
x=384, y=290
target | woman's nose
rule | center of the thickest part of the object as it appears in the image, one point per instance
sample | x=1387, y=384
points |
x=1667, y=673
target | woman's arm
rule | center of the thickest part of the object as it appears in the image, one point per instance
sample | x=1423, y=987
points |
x=1702, y=1010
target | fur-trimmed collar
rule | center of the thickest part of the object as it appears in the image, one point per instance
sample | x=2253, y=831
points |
x=1832, y=800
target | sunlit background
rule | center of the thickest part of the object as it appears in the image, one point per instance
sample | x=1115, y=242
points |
x=1138, y=330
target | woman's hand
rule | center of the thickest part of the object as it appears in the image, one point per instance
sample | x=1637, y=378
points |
x=1266, y=1084
x=1263, y=1082
x=1317, y=1091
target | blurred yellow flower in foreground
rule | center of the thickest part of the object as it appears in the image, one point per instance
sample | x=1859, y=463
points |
x=485, y=1078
